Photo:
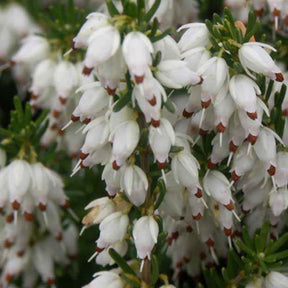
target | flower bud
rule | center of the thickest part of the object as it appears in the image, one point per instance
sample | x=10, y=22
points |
x=278, y=201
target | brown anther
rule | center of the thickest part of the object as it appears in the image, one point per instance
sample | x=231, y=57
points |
x=197, y=217
x=50, y=281
x=276, y=12
x=33, y=96
x=203, y=256
x=73, y=257
x=189, y=229
x=73, y=46
x=87, y=71
x=66, y=205
x=234, y=176
x=56, y=113
x=252, y=139
x=245, y=212
x=210, y=265
x=187, y=114
x=199, y=193
x=259, y=13
x=62, y=100
x=228, y=232
x=175, y=235
x=74, y=155
x=285, y=112
x=83, y=156
x=139, y=79
x=286, y=20
x=216, y=207
x=210, y=164
x=61, y=132
x=155, y=123
x=28, y=216
x=201, y=80
x=179, y=265
x=115, y=165
x=20, y=253
x=75, y=118
x=221, y=128
x=9, y=218
x=271, y=170
x=111, y=196
x=12, y=63
x=99, y=250
x=205, y=104
x=210, y=243
x=279, y=77
x=186, y=260
x=15, y=205
x=59, y=237
x=8, y=244
x=161, y=165
x=110, y=91
x=232, y=146
x=86, y=121
x=169, y=241
x=252, y=115
x=8, y=277
x=42, y=207
x=229, y=206
x=203, y=132
x=153, y=101
x=236, y=233
x=82, y=165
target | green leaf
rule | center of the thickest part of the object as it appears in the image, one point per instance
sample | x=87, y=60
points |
x=152, y=10
x=154, y=269
x=245, y=248
x=157, y=58
x=176, y=149
x=162, y=35
x=130, y=279
x=264, y=236
x=269, y=90
x=5, y=132
x=112, y=8
x=162, y=192
x=246, y=238
x=121, y=262
x=170, y=106
x=122, y=102
x=276, y=256
x=19, y=109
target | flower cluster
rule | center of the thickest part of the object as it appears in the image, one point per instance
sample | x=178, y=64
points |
x=33, y=238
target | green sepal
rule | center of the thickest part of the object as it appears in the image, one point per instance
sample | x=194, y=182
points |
x=121, y=262
x=122, y=102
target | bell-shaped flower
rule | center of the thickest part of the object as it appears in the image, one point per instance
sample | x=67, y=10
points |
x=176, y=74
x=244, y=92
x=161, y=139
x=70, y=240
x=96, y=137
x=276, y=280
x=194, y=102
x=225, y=219
x=214, y=74
x=42, y=76
x=65, y=80
x=281, y=176
x=185, y=169
x=220, y=149
x=137, y=50
x=145, y=234
x=125, y=138
x=92, y=102
x=102, y=45
x=197, y=207
x=168, y=48
x=106, y=279
x=93, y=22
x=275, y=6
x=34, y=49
x=112, y=179
x=196, y=57
x=112, y=229
x=18, y=180
x=278, y=201
x=135, y=184
x=196, y=35
x=254, y=57
x=101, y=156
x=217, y=185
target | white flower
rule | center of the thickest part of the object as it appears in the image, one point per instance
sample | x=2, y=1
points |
x=70, y=239
x=275, y=6
x=106, y=279
x=253, y=57
x=112, y=229
x=42, y=76
x=196, y=57
x=65, y=80
x=217, y=185
x=125, y=138
x=34, y=49
x=176, y=74
x=100, y=209
x=276, y=280
x=135, y=184
x=185, y=169
x=94, y=21
x=145, y=234
x=281, y=176
x=168, y=48
x=102, y=45
x=137, y=50
x=243, y=91
x=112, y=179
x=161, y=139
x=278, y=201
x=18, y=180
x=197, y=35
